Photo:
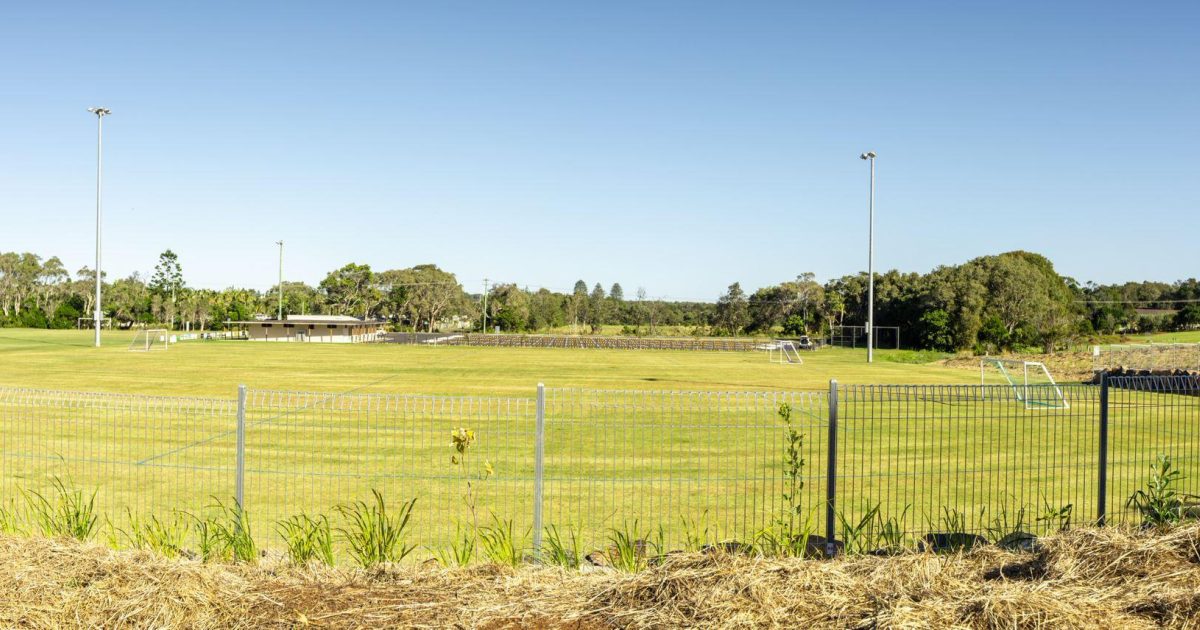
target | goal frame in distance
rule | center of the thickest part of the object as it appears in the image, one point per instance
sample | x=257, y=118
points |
x=788, y=353
x=1021, y=391
x=149, y=339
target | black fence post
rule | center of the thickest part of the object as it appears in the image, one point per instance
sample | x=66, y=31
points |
x=1102, y=484
x=831, y=472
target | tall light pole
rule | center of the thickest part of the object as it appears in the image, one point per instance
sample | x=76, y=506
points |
x=485, y=282
x=280, y=244
x=870, y=157
x=100, y=112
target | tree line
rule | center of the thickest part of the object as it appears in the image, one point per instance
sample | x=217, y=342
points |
x=1007, y=301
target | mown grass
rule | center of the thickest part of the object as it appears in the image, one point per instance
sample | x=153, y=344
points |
x=716, y=461
x=64, y=359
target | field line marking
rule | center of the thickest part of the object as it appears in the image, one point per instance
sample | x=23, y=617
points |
x=267, y=420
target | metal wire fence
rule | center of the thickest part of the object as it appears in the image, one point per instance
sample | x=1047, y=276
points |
x=309, y=452
x=141, y=455
x=1156, y=357
x=708, y=344
x=691, y=467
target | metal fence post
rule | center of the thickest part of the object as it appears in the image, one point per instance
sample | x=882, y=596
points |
x=831, y=472
x=1102, y=483
x=240, y=491
x=539, y=456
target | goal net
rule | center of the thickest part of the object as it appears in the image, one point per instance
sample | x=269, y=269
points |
x=150, y=339
x=1027, y=382
x=784, y=351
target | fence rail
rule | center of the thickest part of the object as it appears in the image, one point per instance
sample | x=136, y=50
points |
x=709, y=344
x=687, y=466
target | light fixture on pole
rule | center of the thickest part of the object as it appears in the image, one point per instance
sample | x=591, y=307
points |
x=100, y=112
x=870, y=157
x=280, y=244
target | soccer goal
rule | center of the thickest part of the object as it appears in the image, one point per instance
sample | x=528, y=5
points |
x=150, y=339
x=1028, y=382
x=784, y=351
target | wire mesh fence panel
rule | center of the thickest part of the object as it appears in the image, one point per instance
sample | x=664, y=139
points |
x=311, y=452
x=955, y=459
x=1151, y=416
x=693, y=467
x=708, y=344
x=1156, y=357
x=141, y=455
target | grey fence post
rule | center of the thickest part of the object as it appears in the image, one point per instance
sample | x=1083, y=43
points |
x=1102, y=482
x=240, y=488
x=539, y=457
x=831, y=472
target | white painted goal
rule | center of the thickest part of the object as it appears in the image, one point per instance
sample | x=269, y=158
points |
x=784, y=351
x=150, y=339
x=1028, y=382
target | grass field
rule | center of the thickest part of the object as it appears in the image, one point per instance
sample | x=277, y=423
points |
x=715, y=458
x=1190, y=336
x=64, y=359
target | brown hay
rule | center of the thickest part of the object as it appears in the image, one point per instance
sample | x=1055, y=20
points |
x=1089, y=578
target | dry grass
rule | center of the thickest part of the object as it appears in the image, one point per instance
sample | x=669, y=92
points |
x=1067, y=367
x=1109, y=578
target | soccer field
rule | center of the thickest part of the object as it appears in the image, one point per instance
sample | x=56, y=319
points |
x=682, y=440
x=64, y=359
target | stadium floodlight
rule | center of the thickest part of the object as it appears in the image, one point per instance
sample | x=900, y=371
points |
x=280, y=244
x=870, y=157
x=100, y=113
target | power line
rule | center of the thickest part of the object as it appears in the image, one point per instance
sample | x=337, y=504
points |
x=1185, y=301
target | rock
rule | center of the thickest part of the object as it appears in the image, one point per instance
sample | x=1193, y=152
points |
x=943, y=542
x=598, y=559
x=1019, y=541
x=819, y=547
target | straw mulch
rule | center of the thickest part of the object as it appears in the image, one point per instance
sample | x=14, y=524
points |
x=1088, y=578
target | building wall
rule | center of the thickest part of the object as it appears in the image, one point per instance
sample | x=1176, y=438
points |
x=312, y=333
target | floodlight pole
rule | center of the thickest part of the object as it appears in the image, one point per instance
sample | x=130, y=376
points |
x=870, y=157
x=100, y=112
x=485, y=283
x=280, y=244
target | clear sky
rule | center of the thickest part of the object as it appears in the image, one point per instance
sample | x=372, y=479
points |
x=679, y=146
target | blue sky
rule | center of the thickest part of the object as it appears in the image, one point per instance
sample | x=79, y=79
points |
x=675, y=146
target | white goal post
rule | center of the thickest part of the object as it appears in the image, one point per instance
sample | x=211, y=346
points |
x=149, y=339
x=1029, y=382
x=784, y=351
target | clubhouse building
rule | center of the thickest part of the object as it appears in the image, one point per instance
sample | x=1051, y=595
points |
x=312, y=329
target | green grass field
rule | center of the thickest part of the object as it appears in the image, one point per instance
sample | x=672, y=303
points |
x=714, y=459
x=1190, y=336
x=58, y=359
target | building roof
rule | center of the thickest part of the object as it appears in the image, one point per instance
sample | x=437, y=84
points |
x=313, y=319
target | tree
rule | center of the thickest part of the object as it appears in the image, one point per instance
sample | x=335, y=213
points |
x=732, y=315
x=1187, y=317
x=509, y=307
x=579, y=304
x=167, y=281
x=547, y=309
x=350, y=290
x=617, y=293
x=597, y=309
x=421, y=296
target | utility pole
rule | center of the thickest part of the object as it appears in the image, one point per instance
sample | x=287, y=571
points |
x=485, y=289
x=100, y=112
x=280, y=244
